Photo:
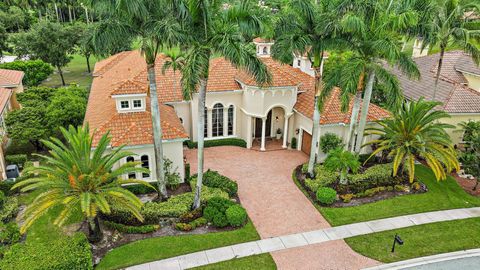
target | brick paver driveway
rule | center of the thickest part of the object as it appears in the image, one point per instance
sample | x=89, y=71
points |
x=277, y=207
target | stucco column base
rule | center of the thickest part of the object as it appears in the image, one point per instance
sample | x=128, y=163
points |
x=264, y=125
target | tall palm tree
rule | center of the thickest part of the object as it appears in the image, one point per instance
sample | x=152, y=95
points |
x=416, y=133
x=176, y=61
x=448, y=27
x=214, y=31
x=372, y=26
x=154, y=25
x=76, y=178
x=309, y=29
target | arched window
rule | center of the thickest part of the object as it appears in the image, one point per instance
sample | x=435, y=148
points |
x=265, y=50
x=230, y=119
x=205, y=124
x=146, y=165
x=217, y=120
x=131, y=175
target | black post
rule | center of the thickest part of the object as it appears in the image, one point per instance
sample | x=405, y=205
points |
x=394, y=242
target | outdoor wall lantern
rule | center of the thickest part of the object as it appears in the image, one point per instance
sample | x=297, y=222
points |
x=297, y=131
x=396, y=240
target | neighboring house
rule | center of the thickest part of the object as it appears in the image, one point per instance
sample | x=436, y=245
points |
x=10, y=85
x=458, y=87
x=236, y=107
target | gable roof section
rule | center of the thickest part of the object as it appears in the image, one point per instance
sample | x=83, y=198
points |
x=452, y=91
x=5, y=95
x=130, y=87
x=9, y=78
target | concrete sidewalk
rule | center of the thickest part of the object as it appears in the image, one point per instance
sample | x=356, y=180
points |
x=304, y=239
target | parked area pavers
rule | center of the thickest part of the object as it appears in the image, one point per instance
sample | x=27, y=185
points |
x=311, y=245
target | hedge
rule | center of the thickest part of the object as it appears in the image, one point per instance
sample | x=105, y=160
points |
x=18, y=159
x=66, y=253
x=375, y=176
x=140, y=189
x=215, y=180
x=9, y=209
x=219, y=142
x=323, y=178
x=131, y=229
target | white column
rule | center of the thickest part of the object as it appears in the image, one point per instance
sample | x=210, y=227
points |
x=249, y=131
x=285, y=131
x=264, y=124
x=225, y=121
x=209, y=122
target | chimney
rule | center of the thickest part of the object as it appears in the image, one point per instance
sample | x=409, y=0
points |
x=264, y=46
x=417, y=48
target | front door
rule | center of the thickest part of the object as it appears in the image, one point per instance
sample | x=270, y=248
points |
x=268, y=126
x=306, y=142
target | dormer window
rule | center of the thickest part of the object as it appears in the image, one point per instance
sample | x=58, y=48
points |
x=299, y=62
x=265, y=50
x=137, y=103
x=124, y=104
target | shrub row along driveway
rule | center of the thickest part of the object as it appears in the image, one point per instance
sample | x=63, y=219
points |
x=277, y=207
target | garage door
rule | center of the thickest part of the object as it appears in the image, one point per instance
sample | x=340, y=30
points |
x=306, y=142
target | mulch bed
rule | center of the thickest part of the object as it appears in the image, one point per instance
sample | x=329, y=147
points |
x=356, y=201
x=467, y=184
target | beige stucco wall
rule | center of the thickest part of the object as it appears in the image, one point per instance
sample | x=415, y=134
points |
x=183, y=112
x=455, y=120
x=473, y=81
x=172, y=150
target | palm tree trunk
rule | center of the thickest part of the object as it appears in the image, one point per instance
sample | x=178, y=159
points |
x=439, y=69
x=94, y=231
x=56, y=12
x=353, y=121
x=200, y=141
x=157, y=133
x=69, y=13
x=366, y=103
x=316, y=114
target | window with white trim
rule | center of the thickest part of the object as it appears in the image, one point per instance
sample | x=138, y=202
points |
x=145, y=165
x=230, y=120
x=137, y=103
x=205, y=123
x=131, y=175
x=124, y=104
x=217, y=120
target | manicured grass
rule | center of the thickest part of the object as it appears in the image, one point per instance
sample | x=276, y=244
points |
x=258, y=262
x=158, y=248
x=419, y=241
x=440, y=196
x=74, y=72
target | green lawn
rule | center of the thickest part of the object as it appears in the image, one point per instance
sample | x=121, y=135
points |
x=258, y=262
x=440, y=196
x=419, y=241
x=158, y=248
x=74, y=72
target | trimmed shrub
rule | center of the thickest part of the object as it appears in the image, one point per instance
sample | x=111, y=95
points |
x=191, y=216
x=199, y=222
x=9, y=233
x=346, y=198
x=323, y=178
x=187, y=171
x=140, y=189
x=326, y=195
x=9, y=209
x=172, y=177
x=376, y=176
x=219, y=142
x=215, y=180
x=3, y=198
x=215, y=211
x=293, y=143
x=236, y=215
x=131, y=229
x=330, y=141
x=175, y=207
x=18, y=159
x=65, y=253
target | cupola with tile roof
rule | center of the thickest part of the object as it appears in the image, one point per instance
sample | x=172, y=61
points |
x=264, y=46
x=130, y=96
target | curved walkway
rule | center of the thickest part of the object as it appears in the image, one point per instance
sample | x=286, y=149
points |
x=300, y=242
x=277, y=207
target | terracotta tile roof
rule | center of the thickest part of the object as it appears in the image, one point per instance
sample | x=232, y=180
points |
x=5, y=94
x=10, y=77
x=280, y=74
x=130, y=87
x=135, y=128
x=452, y=91
x=262, y=40
x=332, y=113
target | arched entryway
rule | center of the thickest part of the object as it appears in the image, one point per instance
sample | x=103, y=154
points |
x=271, y=132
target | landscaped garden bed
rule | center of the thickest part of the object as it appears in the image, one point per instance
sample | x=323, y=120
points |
x=371, y=184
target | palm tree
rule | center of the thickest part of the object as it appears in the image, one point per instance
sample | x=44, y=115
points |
x=176, y=62
x=213, y=31
x=77, y=178
x=309, y=29
x=342, y=161
x=153, y=24
x=372, y=26
x=448, y=27
x=416, y=133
